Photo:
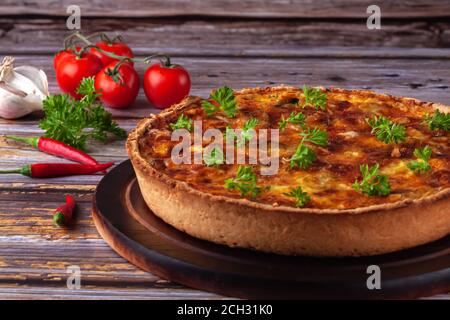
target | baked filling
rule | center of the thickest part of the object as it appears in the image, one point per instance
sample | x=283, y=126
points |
x=355, y=128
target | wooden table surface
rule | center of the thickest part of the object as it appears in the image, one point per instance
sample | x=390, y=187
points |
x=235, y=43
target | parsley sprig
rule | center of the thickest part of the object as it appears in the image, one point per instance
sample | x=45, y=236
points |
x=372, y=183
x=224, y=96
x=438, y=121
x=74, y=122
x=213, y=158
x=248, y=131
x=315, y=136
x=245, y=182
x=294, y=117
x=183, y=122
x=421, y=165
x=301, y=197
x=387, y=131
x=315, y=97
x=304, y=156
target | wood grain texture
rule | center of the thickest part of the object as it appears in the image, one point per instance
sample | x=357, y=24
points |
x=424, y=78
x=230, y=8
x=282, y=41
x=35, y=254
x=227, y=37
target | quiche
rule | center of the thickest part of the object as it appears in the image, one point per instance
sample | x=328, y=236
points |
x=358, y=173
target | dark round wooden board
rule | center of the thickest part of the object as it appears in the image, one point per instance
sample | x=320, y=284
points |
x=132, y=230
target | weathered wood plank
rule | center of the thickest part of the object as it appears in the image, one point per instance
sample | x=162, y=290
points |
x=425, y=79
x=230, y=8
x=93, y=293
x=35, y=253
x=225, y=37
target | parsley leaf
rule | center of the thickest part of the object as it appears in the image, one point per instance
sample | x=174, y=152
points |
x=387, y=131
x=224, y=96
x=214, y=158
x=315, y=97
x=372, y=183
x=74, y=122
x=245, y=182
x=438, y=121
x=421, y=164
x=301, y=198
x=303, y=157
x=295, y=118
x=248, y=130
x=183, y=122
x=315, y=136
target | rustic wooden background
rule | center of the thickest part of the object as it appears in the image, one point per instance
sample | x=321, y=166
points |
x=241, y=43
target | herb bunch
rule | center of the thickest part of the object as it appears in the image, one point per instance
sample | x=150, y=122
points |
x=74, y=122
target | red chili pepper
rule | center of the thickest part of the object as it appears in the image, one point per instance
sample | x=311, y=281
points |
x=56, y=148
x=50, y=170
x=64, y=213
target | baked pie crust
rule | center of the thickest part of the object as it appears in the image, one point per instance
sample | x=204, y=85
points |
x=338, y=221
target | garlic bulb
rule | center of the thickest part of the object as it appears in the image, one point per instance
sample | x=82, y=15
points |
x=22, y=89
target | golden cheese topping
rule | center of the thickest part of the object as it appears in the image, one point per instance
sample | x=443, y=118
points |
x=328, y=181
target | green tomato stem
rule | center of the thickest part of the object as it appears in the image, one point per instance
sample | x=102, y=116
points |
x=164, y=58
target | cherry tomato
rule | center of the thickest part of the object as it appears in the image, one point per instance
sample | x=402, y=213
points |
x=60, y=55
x=71, y=69
x=118, y=85
x=166, y=84
x=118, y=48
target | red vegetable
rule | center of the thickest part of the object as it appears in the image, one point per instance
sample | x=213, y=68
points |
x=115, y=46
x=63, y=214
x=73, y=67
x=60, y=55
x=118, y=84
x=166, y=84
x=56, y=148
x=51, y=170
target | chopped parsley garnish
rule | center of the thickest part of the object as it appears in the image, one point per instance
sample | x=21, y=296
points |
x=303, y=157
x=294, y=117
x=438, y=121
x=245, y=182
x=372, y=183
x=315, y=136
x=387, y=131
x=248, y=130
x=301, y=198
x=224, y=96
x=183, y=122
x=74, y=122
x=421, y=165
x=213, y=158
x=315, y=97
